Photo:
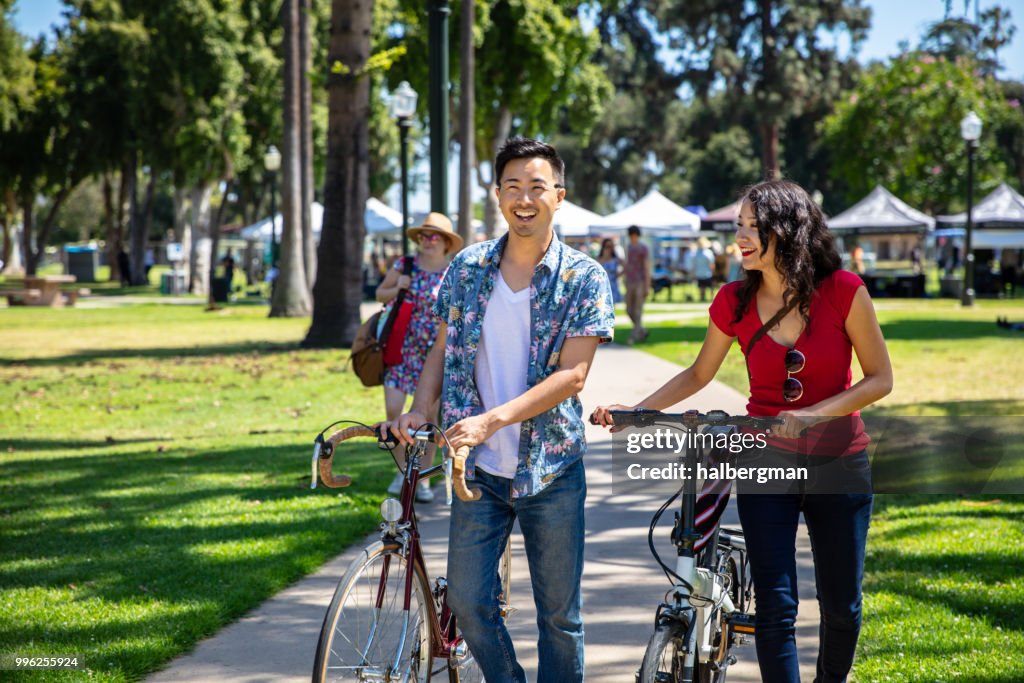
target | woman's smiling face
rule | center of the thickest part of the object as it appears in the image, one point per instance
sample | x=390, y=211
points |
x=749, y=241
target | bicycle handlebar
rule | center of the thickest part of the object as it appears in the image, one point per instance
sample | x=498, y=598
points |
x=323, y=457
x=644, y=417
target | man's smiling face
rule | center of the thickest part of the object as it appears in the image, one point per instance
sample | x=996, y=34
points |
x=528, y=196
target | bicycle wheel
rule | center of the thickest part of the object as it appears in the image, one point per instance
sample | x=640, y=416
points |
x=665, y=657
x=358, y=641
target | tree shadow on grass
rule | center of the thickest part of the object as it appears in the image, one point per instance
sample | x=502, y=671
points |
x=211, y=350
x=157, y=549
x=921, y=329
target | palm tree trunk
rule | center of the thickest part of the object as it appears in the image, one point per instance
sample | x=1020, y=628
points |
x=467, y=133
x=290, y=298
x=339, y=288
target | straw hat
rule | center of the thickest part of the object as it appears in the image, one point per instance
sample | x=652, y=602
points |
x=439, y=223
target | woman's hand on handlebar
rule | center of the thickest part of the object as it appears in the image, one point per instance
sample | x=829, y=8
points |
x=602, y=415
x=796, y=423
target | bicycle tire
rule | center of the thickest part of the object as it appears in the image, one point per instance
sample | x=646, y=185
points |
x=662, y=661
x=345, y=651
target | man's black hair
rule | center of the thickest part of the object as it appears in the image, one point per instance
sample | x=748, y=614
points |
x=633, y=230
x=527, y=148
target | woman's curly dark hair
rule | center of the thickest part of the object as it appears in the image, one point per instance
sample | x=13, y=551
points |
x=805, y=253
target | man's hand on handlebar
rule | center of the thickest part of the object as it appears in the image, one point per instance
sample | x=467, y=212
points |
x=403, y=426
x=602, y=415
x=471, y=431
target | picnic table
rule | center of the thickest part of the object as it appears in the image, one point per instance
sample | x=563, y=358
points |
x=44, y=291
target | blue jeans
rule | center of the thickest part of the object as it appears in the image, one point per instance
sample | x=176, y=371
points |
x=553, y=530
x=838, y=527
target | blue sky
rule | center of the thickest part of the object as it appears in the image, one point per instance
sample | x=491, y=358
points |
x=892, y=21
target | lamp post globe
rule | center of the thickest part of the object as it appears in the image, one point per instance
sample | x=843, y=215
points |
x=403, y=107
x=970, y=131
x=272, y=162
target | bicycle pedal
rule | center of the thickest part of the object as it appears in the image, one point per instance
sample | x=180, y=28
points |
x=741, y=624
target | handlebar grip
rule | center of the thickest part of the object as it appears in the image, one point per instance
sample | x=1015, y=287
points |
x=464, y=493
x=327, y=455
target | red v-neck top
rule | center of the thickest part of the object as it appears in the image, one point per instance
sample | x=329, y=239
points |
x=827, y=372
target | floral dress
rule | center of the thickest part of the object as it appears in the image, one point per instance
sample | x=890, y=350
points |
x=422, y=330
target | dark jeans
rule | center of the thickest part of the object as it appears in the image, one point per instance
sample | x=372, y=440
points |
x=838, y=526
x=553, y=531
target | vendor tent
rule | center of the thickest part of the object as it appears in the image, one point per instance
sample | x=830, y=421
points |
x=655, y=214
x=380, y=219
x=723, y=219
x=880, y=213
x=883, y=225
x=574, y=221
x=997, y=220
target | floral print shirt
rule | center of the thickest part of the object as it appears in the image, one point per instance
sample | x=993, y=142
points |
x=569, y=297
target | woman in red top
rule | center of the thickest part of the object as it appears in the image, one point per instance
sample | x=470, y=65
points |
x=799, y=370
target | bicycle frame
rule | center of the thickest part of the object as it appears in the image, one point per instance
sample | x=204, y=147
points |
x=701, y=591
x=406, y=532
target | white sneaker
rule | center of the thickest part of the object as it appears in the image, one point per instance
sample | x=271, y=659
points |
x=396, y=484
x=423, y=493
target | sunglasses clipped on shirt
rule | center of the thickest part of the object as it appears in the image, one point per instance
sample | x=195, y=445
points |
x=792, y=389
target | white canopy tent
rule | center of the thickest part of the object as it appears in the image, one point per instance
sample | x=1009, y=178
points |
x=572, y=220
x=655, y=214
x=380, y=219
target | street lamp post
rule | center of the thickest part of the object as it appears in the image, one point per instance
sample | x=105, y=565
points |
x=437, y=31
x=970, y=131
x=403, y=106
x=272, y=162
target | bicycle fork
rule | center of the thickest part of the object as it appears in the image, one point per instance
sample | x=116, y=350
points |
x=706, y=595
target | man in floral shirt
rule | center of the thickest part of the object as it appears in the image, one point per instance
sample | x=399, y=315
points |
x=521, y=319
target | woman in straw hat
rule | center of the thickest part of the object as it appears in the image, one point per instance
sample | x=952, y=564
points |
x=436, y=241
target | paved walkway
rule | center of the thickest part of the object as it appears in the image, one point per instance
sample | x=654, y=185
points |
x=622, y=585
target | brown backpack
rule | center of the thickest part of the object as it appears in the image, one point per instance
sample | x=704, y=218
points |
x=367, y=355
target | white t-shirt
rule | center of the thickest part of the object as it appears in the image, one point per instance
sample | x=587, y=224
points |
x=502, y=363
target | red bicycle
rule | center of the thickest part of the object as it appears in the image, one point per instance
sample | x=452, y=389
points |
x=387, y=620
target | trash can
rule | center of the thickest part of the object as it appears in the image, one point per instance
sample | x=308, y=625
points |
x=220, y=287
x=172, y=282
x=82, y=262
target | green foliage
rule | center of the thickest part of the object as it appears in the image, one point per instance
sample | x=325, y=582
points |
x=900, y=128
x=15, y=70
x=533, y=65
x=772, y=53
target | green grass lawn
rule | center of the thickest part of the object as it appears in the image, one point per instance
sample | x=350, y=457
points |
x=944, y=587
x=153, y=484
x=154, y=476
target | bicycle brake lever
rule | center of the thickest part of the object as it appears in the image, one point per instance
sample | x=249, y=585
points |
x=316, y=456
x=448, y=480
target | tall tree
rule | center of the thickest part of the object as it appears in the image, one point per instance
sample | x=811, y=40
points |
x=291, y=293
x=306, y=139
x=900, y=128
x=772, y=51
x=339, y=281
x=467, y=109
x=554, y=74
x=16, y=95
